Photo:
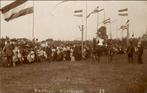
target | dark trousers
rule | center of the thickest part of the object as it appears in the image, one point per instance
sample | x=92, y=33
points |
x=9, y=60
x=130, y=59
x=110, y=58
x=139, y=61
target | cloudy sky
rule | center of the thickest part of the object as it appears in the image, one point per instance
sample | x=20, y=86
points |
x=59, y=22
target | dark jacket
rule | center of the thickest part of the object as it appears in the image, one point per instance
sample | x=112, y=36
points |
x=130, y=50
x=8, y=50
x=140, y=51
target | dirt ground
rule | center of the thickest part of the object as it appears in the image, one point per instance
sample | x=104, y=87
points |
x=76, y=77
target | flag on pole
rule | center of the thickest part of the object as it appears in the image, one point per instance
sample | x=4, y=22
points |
x=60, y=2
x=78, y=13
x=123, y=12
x=96, y=10
x=17, y=9
x=107, y=21
x=123, y=27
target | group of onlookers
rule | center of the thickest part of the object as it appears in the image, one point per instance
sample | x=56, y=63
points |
x=13, y=54
x=133, y=51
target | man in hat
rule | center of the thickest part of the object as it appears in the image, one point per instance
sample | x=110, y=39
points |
x=139, y=53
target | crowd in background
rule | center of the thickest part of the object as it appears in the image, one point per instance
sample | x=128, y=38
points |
x=15, y=52
x=20, y=51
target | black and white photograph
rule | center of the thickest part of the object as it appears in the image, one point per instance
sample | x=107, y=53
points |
x=73, y=46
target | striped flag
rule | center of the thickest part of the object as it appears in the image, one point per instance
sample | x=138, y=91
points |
x=17, y=9
x=107, y=21
x=123, y=27
x=96, y=10
x=78, y=13
x=123, y=12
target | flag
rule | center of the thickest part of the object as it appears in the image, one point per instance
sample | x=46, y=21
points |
x=123, y=12
x=17, y=9
x=60, y=2
x=78, y=13
x=107, y=21
x=96, y=10
x=123, y=27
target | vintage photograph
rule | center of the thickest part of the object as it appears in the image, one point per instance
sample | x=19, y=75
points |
x=73, y=46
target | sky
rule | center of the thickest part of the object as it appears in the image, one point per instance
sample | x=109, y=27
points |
x=60, y=24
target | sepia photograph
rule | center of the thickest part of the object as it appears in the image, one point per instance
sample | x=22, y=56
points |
x=73, y=46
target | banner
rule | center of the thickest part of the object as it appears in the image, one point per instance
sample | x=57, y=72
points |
x=78, y=13
x=96, y=10
x=123, y=12
x=17, y=9
x=107, y=21
x=123, y=27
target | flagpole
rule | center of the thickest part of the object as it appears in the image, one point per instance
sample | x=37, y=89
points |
x=82, y=28
x=0, y=21
x=104, y=14
x=82, y=35
x=33, y=36
x=122, y=34
x=122, y=29
x=86, y=23
x=97, y=19
x=128, y=33
x=110, y=31
x=146, y=29
x=82, y=38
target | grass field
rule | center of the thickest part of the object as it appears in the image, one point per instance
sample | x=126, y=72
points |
x=76, y=77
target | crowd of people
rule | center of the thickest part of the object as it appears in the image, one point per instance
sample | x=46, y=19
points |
x=13, y=53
